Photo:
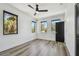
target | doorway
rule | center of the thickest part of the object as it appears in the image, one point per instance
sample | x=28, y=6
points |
x=60, y=31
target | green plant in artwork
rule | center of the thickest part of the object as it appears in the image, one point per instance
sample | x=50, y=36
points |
x=10, y=25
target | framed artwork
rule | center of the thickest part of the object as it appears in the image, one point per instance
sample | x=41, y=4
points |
x=33, y=26
x=43, y=26
x=53, y=26
x=10, y=23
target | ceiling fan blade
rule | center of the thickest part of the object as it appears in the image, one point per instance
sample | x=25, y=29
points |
x=42, y=10
x=35, y=13
x=30, y=6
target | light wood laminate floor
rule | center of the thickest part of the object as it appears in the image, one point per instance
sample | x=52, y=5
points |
x=38, y=47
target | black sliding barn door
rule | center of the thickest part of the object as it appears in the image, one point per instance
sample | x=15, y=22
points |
x=60, y=31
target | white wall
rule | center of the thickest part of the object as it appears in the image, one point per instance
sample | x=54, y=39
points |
x=70, y=27
x=24, y=29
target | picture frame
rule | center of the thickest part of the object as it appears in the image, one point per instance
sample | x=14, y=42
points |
x=10, y=23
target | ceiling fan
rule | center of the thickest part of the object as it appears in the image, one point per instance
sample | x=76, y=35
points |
x=37, y=9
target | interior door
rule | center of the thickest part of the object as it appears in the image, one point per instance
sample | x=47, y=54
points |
x=60, y=31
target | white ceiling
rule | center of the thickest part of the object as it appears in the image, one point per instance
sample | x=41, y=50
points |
x=53, y=8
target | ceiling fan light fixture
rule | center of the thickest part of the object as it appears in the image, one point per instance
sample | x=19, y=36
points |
x=37, y=12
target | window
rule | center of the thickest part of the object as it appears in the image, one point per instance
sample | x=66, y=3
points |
x=52, y=25
x=44, y=26
x=33, y=26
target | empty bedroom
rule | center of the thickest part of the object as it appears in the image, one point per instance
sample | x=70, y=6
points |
x=37, y=29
